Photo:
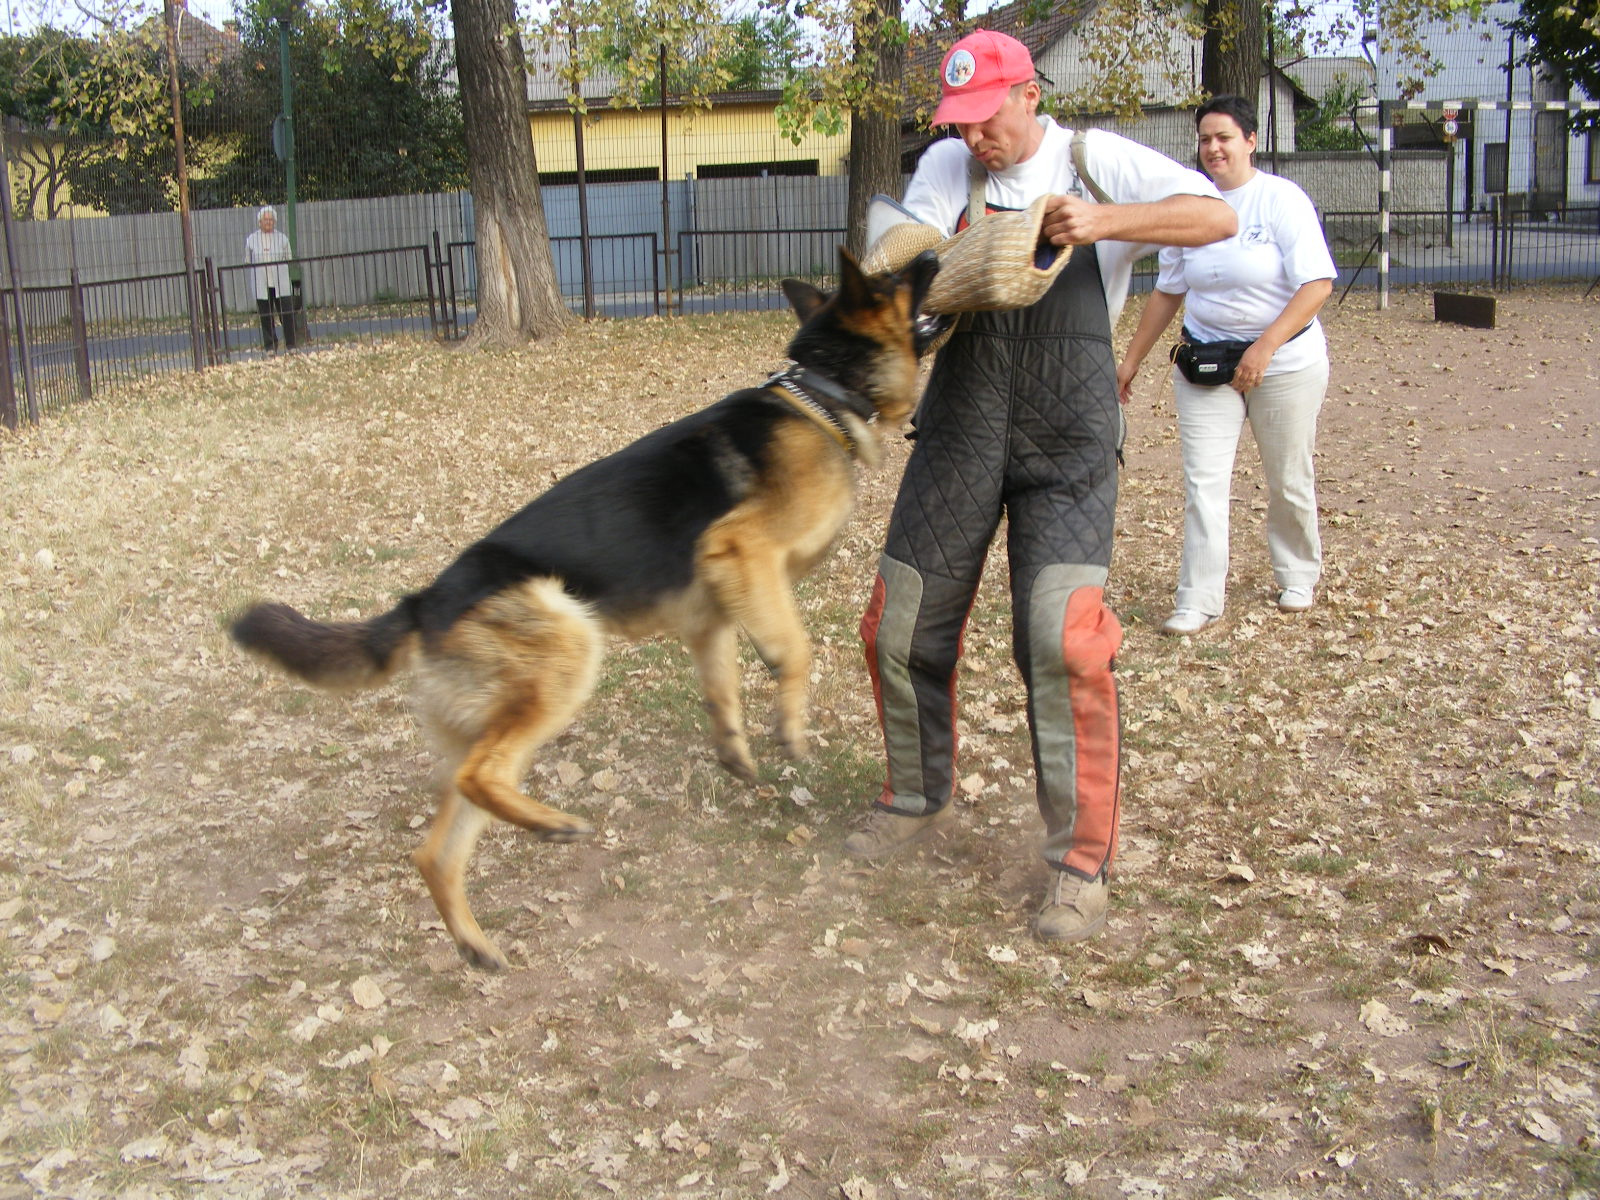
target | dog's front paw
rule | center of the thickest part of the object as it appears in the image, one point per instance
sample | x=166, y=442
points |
x=574, y=832
x=739, y=765
x=482, y=954
x=791, y=742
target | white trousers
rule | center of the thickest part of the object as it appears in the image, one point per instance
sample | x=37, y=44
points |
x=1282, y=413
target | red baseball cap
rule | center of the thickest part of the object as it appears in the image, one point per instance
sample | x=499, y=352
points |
x=976, y=75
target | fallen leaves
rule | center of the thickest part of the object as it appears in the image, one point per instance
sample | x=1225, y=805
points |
x=1381, y=1020
x=1390, y=800
x=367, y=993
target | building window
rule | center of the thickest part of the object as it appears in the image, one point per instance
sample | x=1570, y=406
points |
x=1494, y=168
x=793, y=166
x=615, y=175
x=1592, y=175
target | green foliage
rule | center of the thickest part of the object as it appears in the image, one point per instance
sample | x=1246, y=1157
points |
x=624, y=40
x=1400, y=37
x=374, y=113
x=764, y=46
x=1322, y=127
x=1565, y=34
x=102, y=115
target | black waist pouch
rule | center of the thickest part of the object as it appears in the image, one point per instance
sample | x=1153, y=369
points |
x=1210, y=364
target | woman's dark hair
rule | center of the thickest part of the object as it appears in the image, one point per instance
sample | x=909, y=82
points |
x=1237, y=107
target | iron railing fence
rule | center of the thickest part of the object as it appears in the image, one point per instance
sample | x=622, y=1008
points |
x=623, y=273
x=62, y=344
x=1507, y=246
x=362, y=296
x=740, y=269
x=66, y=342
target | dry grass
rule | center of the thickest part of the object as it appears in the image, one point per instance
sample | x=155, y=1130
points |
x=1353, y=949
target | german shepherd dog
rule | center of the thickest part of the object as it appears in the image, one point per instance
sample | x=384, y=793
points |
x=699, y=529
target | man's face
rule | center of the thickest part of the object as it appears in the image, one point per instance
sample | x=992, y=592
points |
x=1011, y=135
x=268, y=221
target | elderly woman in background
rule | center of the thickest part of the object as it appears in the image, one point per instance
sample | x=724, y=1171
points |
x=268, y=252
x=1264, y=287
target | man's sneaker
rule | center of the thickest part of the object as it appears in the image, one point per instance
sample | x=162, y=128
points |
x=1074, y=908
x=1294, y=599
x=1186, y=620
x=886, y=831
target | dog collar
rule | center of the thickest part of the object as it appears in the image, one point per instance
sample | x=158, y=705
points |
x=810, y=390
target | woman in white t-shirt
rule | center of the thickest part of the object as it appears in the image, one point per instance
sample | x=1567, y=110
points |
x=1263, y=286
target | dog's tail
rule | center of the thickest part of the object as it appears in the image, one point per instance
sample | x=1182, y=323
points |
x=344, y=656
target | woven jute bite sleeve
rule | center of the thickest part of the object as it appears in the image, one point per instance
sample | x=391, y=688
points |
x=1000, y=261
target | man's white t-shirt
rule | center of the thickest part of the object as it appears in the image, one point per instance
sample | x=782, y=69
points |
x=1234, y=289
x=1126, y=171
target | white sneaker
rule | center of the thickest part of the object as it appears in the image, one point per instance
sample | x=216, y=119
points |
x=1294, y=599
x=1187, y=620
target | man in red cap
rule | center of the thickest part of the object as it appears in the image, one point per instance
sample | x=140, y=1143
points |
x=1021, y=418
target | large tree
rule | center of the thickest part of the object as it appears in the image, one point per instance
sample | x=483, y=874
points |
x=1232, y=52
x=518, y=295
x=100, y=117
x=880, y=67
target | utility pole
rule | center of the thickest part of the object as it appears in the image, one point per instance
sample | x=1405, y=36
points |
x=171, y=17
x=283, y=143
x=8, y=398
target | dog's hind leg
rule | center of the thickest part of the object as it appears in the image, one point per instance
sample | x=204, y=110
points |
x=503, y=681
x=442, y=859
x=537, y=651
x=715, y=650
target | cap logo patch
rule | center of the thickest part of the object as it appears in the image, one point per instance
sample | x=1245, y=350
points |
x=959, y=70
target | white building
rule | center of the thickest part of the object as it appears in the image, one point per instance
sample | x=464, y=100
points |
x=1519, y=149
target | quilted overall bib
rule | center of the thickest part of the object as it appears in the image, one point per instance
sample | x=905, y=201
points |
x=1020, y=418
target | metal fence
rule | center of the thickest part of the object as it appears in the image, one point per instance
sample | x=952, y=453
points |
x=1497, y=250
x=61, y=344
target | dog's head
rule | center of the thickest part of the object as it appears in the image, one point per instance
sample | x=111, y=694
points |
x=869, y=334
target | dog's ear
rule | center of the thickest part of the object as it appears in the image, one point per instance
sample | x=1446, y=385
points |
x=805, y=298
x=854, y=290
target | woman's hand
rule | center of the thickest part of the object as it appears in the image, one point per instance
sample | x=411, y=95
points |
x=1126, y=370
x=1252, y=367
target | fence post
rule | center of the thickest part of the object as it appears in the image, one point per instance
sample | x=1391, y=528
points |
x=666, y=179
x=427, y=272
x=209, y=303
x=655, y=271
x=8, y=390
x=1385, y=174
x=223, y=334
x=444, y=297
x=585, y=258
x=80, y=336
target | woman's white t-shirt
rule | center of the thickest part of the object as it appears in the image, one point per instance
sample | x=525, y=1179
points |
x=1235, y=288
x=1126, y=171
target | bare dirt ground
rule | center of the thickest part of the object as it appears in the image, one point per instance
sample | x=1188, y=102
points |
x=1355, y=944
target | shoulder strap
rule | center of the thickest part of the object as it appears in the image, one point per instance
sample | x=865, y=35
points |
x=977, y=184
x=1080, y=164
x=978, y=176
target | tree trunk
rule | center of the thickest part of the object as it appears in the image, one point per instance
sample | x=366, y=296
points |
x=875, y=123
x=518, y=296
x=1232, y=55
